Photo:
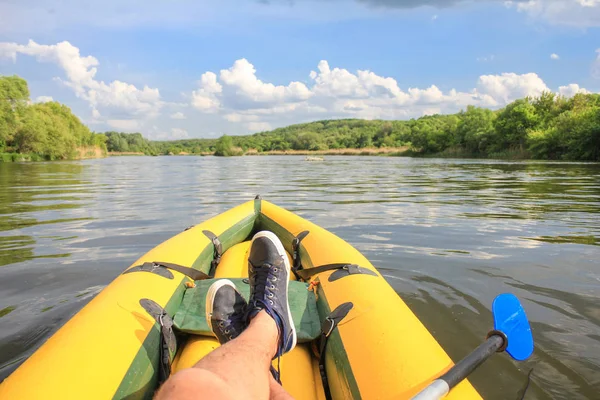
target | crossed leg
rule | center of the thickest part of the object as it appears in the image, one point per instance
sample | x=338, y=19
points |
x=251, y=332
x=236, y=370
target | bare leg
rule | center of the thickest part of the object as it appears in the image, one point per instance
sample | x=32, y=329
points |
x=277, y=392
x=237, y=369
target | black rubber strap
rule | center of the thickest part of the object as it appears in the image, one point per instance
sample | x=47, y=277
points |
x=297, y=262
x=350, y=269
x=195, y=274
x=161, y=268
x=218, y=252
x=151, y=268
x=165, y=357
x=168, y=342
x=329, y=324
x=308, y=272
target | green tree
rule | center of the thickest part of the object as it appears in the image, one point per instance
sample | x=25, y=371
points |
x=14, y=94
x=475, y=129
x=579, y=133
x=547, y=107
x=308, y=141
x=32, y=135
x=513, y=124
x=224, y=147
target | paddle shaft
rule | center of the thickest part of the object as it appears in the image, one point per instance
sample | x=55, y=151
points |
x=441, y=386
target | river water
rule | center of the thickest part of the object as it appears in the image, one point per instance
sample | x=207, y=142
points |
x=448, y=235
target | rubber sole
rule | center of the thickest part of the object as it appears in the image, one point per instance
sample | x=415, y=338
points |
x=288, y=268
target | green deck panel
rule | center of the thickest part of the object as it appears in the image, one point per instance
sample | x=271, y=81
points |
x=191, y=316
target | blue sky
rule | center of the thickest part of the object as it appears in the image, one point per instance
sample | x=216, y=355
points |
x=183, y=68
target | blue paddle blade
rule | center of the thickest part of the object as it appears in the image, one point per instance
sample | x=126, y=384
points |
x=510, y=318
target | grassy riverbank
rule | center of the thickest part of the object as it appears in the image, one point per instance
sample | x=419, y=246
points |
x=125, y=153
x=373, y=151
x=370, y=151
x=80, y=153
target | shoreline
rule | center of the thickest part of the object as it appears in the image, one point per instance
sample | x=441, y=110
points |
x=80, y=153
x=125, y=153
x=90, y=153
x=367, y=151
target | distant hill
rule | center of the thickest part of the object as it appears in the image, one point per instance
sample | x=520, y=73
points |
x=547, y=127
x=319, y=135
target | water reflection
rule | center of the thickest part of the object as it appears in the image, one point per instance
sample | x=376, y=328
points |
x=447, y=234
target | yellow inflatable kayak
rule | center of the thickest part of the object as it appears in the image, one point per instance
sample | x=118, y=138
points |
x=149, y=322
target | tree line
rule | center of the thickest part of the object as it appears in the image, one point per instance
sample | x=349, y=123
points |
x=549, y=127
x=40, y=131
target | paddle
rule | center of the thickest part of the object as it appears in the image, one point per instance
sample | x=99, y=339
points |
x=511, y=334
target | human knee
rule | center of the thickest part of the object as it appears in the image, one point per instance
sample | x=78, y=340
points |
x=188, y=383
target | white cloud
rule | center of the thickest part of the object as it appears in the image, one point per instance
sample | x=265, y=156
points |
x=205, y=98
x=334, y=92
x=431, y=111
x=434, y=17
x=155, y=133
x=258, y=126
x=507, y=87
x=80, y=71
x=241, y=78
x=241, y=83
x=337, y=82
x=236, y=117
x=575, y=13
x=554, y=56
x=571, y=90
x=43, y=99
x=177, y=115
x=125, y=125
x=178, y=133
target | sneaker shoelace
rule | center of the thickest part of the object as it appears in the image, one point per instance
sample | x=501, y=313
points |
x=264, y=278
x=230, y=326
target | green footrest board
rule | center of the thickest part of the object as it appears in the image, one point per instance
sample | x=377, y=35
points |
x=191, y=316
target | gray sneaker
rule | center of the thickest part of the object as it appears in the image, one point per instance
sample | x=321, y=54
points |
x=225, y=310
x=269, y=276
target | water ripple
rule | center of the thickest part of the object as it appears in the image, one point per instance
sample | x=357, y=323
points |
x=448, y=235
